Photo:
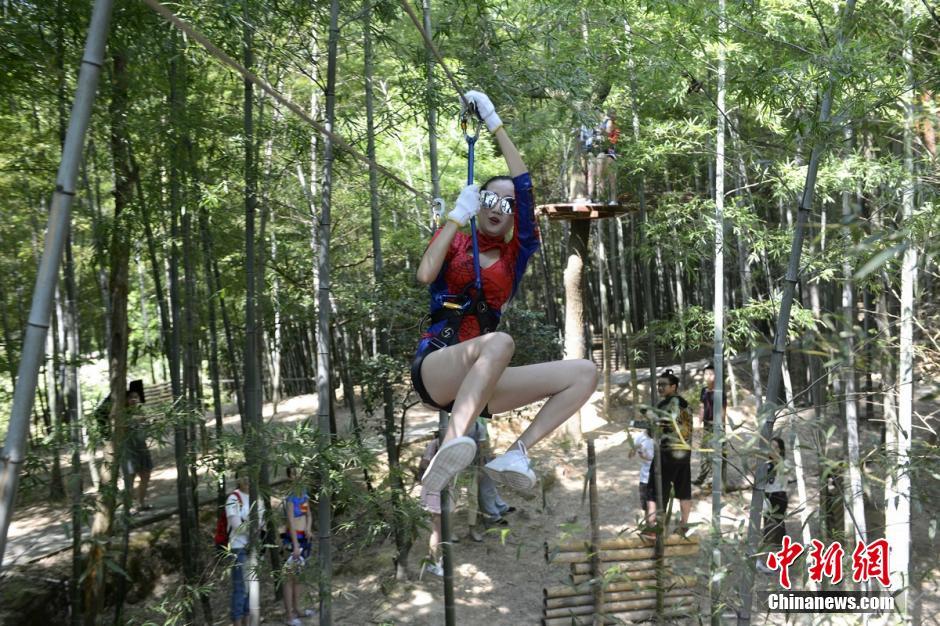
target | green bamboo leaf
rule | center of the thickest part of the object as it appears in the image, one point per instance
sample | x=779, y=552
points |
x=880, y=259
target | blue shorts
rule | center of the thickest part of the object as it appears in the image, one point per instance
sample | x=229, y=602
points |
x=302, y=540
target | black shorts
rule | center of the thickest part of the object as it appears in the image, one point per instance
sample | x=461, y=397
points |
x=676, y=475
x=422, y=391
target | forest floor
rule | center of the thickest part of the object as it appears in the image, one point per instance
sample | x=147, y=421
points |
x=499, y=581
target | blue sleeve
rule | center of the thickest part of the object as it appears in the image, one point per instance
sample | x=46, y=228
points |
x=527, y=231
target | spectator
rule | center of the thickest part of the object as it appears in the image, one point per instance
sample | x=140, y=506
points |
x=237, y=508
x=707, y=398
x=644, y=447
x=491, y=507
x=775, y=501
x=674, y=430
x=605, y=142
x=137, y=460
x=295, y=541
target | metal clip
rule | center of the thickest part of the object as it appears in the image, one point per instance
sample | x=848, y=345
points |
x=470, y=110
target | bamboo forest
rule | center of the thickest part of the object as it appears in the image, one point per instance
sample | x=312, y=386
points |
x=483, y=313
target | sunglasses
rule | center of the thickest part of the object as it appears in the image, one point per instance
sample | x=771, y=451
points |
x=490, y=199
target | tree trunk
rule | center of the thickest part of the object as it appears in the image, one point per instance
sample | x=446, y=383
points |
x=324, y=382
x=105, y=501
x=275, y=344
x=857, y=496
x=744, y=264
x=56, y=375
x=768, y=412
x=574, y=305
x=75, y=414
x=718, y=312
x=898, y=485
x=230, y=350
x=214, y=375
x=177, y=104
x=629, y=325
x=254, y=434
x=605, y=328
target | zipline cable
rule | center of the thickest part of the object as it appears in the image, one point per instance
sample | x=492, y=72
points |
x=430, y=44
x=213, y=50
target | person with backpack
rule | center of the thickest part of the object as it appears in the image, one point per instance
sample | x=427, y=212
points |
x=295, y=541
x=237, y=510
x=674, y=431
x=775, y=502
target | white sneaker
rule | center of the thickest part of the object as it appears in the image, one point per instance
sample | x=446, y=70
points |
x=512, y=468
x=435, y=568
x=453, y=456
x=763, y=568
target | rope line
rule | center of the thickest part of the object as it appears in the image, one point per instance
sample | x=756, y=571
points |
x=427, y=40
x=214, y=51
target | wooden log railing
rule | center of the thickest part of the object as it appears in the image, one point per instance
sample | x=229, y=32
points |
x=627, y=579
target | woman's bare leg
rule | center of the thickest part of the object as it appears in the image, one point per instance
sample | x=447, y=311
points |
x=466, y=373
x=566, y=384
x=474, y=373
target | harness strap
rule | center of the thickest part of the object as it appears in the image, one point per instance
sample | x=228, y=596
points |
x=486, y=317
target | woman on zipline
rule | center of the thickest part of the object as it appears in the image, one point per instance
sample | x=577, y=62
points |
x=461, y=364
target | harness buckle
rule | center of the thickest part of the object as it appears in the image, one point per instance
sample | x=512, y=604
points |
x=437, y=343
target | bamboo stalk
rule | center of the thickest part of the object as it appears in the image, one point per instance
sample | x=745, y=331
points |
x=618, y=596
x=618, y=566
x=625, y=555
x=560, y=591
x=622, y=575
x=670, y=601
x=625, y=616
x=620, y=544
x=623, y=566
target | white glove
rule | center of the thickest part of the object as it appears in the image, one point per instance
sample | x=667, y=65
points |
x=485, y=108
x=467, y=205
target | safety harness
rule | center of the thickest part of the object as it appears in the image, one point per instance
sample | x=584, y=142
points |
x=452, y=314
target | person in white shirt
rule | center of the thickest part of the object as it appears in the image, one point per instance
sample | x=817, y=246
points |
x=644, y=447
x=237, y=508
x=775, y=501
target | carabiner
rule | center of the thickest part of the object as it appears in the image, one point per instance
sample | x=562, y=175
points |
x=470, y=111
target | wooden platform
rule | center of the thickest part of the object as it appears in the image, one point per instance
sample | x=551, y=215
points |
x=582, y=210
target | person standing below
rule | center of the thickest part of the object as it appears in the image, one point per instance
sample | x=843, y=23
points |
x=295, y=541
x=674, y=425
x=138, y=463
x=607, y=136
x=237, y=508
x=645, y=448
x=491, y=506
x=707, y=398
x=775, y=501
